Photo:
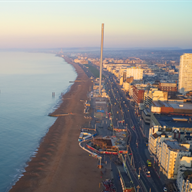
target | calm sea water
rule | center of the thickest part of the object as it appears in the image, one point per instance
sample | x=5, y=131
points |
x=27, y=81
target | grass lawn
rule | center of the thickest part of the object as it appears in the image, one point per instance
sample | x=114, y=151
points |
x=93, y=70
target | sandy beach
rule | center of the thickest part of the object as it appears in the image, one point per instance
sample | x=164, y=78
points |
x=60, y=164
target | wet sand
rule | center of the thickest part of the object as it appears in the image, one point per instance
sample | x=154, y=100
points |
x=60, y=164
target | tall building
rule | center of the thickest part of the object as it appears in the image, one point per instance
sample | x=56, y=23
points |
x=185, y=73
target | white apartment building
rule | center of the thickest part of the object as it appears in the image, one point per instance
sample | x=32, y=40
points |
x=159, y=146
x=185, y=73
x=184, y=176
x=152, y=142
x=153, y=94
x=156, y=137
x=171, y=152
x=136, y=73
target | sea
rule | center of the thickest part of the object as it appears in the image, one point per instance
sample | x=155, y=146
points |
x=31, y=86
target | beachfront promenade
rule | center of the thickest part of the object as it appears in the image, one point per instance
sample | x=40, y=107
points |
x=60, y=164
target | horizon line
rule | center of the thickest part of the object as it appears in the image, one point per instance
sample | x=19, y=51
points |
x=178, y=48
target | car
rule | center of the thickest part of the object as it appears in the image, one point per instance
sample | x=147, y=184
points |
x=165, y=189
x=147, y=173
x=149, y=163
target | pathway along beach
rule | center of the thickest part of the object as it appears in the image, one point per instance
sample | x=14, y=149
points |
x=60, y=164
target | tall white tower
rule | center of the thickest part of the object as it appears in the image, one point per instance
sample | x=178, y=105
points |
x=101, y=59
x=185, y=73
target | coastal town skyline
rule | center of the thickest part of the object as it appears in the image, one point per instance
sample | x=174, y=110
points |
x=121, y=121
x=46, y=24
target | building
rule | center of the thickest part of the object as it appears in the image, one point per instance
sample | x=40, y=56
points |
x=171, y=107
x=138, y=94
x=136, y=73
x=121, y=80
x=126, y=86
x=130, y=90
x=146, y=115
x=153, y=138
x=185, y=73
x=162, y=137
x=153, y=94
x=168, y=127
x=129, y=79
x=150, y=95
x=171, y=88
x=184, y=176
x=124, y=76
x=156, y=136
x=76, y=60
x=121, y=72
x=171, y=152
x=80, y=61
x=172, y=122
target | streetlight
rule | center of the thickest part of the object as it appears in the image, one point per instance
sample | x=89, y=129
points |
x=139, y=172
x=127, y=149
x=137, y=188
x=125, y=158
x=131, y=159
x=100, y=166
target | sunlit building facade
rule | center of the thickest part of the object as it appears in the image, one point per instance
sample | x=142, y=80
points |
x=171, y=152
x=185, y=73
x=136, y=73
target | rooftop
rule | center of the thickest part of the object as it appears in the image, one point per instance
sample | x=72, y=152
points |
x=147, y=111
x=178, y=105
x=173, y=104
x=174, y=145
x=155, y=135
x=160, y=133
x=177, y=121
x=104, y=141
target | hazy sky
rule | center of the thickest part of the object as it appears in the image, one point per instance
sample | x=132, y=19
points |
x=54, y=24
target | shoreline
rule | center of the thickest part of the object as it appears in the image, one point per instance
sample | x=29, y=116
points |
x=44, y=169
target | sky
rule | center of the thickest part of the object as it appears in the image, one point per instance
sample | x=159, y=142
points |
x=75, y=23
